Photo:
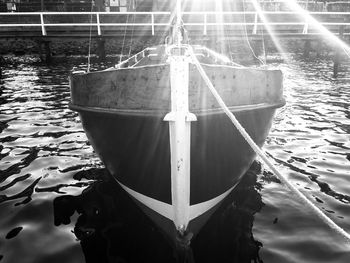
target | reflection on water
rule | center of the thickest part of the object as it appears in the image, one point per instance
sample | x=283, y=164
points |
x=111, y=228
x=309, y=143
x=57, y=202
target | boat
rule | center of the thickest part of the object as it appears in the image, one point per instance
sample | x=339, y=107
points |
x=162, y=134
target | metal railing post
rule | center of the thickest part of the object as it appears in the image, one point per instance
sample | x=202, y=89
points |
x=43, y=30
x=306, y=27
x=152, y=19
x=98, y=24
x=255, y=28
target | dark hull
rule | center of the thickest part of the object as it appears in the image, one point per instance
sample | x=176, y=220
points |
x=179, y=177
x=168, y=228
x=136, y=150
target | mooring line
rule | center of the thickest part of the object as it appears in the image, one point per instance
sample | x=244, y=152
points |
x=247, y=38
x=262, y=155
x=89, y=52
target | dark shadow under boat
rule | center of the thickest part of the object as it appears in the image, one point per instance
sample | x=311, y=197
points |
x=111, y=228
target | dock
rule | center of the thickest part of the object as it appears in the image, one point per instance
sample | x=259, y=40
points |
x=149, y=21
x=228, y=25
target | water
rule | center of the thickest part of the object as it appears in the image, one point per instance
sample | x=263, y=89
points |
x=57, y=203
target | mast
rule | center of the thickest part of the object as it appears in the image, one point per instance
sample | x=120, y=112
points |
x=178, y=24
x=178, y=12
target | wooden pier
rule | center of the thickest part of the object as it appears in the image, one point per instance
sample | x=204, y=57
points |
x=47, y=27
x=285, y=24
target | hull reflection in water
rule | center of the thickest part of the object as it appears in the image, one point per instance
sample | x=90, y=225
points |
x=111, y=228
x=163, y=136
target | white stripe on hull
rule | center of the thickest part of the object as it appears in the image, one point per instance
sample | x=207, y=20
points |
x=161, y=208
x=200, y=208
x=167, y=210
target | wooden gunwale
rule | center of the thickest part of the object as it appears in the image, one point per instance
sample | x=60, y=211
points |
x=131, y=112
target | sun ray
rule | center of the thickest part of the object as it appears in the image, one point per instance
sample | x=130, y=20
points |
x=293, y=5
x=268, y=28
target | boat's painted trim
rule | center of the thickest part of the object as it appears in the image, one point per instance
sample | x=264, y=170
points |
x=161, y=208
x=199, y=209
x=237, y=66
x=162, y=113
x=80, y=72
x=167, y=210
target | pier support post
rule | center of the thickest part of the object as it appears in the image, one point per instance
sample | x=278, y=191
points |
x=264, y=47
x=337, y=56
x=336, y=63
x=47, y=51
x=46, y=55
x=40, y=50
x=307, y=48
x=1, y=64
x=319, y=48
x=101, y=51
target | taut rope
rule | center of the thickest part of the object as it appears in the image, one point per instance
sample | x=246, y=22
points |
x=247, y=38
x=89, y=52
x=262, y=155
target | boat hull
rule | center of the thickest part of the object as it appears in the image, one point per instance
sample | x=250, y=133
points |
x=136, y=150
x=138, y=123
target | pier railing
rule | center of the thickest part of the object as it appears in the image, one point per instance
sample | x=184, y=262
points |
x=153, y=23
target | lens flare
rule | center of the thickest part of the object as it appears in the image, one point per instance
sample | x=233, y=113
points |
x=265, y=21
x=293, y=5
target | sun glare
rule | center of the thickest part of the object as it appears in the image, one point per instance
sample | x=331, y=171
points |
x=220, y=7
x=268, y=27
x=293, y=5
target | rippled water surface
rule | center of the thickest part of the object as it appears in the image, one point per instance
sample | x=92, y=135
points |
x=58, y=204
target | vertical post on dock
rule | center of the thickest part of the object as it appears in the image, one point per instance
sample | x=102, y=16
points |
x=336, y=64
x=47, y=51
x=337, y=56
x=46, y=55
x=43, y=30
x=40, y=50
x=101, y=51
x=1, y=63
x=98, y=24
x=307, y=48
x=152, y=20
x=255, y=28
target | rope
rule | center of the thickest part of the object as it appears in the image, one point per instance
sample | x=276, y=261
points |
x=89, y=52
x=127, y=21
x=263, y=40
x=132, y=35
x=261, y=154
x=246, y=36
x=263, y=45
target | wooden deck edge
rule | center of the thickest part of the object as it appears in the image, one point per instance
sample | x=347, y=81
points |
x=155, y=113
